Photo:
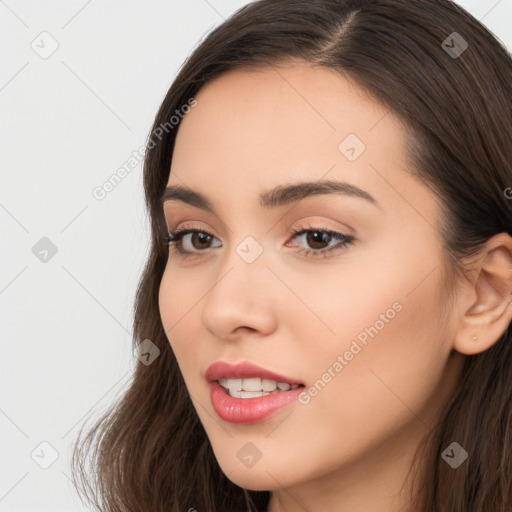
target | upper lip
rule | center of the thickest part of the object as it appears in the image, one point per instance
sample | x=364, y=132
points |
x=244, y=370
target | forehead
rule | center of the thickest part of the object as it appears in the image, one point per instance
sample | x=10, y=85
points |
x=253, y=130
x=290, y=108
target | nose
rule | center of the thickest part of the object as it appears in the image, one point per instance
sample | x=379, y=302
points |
x=243, y=298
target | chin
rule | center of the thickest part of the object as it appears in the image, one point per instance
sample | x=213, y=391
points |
x=263, y=475
x=255, y=481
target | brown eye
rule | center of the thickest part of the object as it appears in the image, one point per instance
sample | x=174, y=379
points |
x=318, y=240
x=202, y=240
x=199, y=241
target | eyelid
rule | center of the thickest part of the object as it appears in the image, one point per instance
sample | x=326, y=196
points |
x=175, y=240
x=311, y=223
x=308, y=225
x=190, y=226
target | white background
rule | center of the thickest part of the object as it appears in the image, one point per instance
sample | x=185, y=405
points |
x=68, y=122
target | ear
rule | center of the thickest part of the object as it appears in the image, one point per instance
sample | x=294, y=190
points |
x=485, y=303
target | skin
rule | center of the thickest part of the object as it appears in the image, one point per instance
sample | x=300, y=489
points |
x=351, y=447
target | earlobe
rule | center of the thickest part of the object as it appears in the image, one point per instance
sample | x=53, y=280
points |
x=489, y=312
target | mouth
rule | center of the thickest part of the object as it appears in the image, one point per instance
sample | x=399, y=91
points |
x=255, y=387
x=246, y=380
x=244, y=393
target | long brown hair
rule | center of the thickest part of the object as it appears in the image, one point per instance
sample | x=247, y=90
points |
x=454, y=94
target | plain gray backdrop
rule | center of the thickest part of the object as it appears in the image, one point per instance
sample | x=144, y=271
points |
x=80, y=83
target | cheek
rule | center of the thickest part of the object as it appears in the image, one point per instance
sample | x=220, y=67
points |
x=384, y=319
x=177, y=300
x=354, y=300
x=387, y=380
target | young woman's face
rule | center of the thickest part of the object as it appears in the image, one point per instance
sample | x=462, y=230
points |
x=359, y=325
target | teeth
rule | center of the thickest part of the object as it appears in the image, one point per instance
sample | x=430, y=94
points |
x=231, y=384
x=254, y=387
x=251, y=384
x=269, y=384
x=250, y=394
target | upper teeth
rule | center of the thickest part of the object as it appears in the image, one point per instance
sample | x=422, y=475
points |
x=247, y=388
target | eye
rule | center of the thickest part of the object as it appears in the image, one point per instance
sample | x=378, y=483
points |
x=199, y=239
x=316, y=237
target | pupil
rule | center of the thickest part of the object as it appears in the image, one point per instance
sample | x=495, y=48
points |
x=202, y=236
x=321, y=237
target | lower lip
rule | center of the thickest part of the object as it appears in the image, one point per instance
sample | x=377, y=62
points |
x=249, y=410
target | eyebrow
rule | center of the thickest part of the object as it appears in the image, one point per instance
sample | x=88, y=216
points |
x=278, y=196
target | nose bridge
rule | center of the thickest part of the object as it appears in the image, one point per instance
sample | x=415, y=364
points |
x=244, y=269
x=244, y=245
x=241, y=295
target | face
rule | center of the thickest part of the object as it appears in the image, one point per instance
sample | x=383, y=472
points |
x=335, y=291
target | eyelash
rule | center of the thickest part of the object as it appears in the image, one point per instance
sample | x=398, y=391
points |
x=174, y=240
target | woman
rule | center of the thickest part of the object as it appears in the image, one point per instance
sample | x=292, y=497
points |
x=324, y=316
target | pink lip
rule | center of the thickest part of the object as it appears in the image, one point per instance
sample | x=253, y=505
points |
x=247, y=410
x=245, y=370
